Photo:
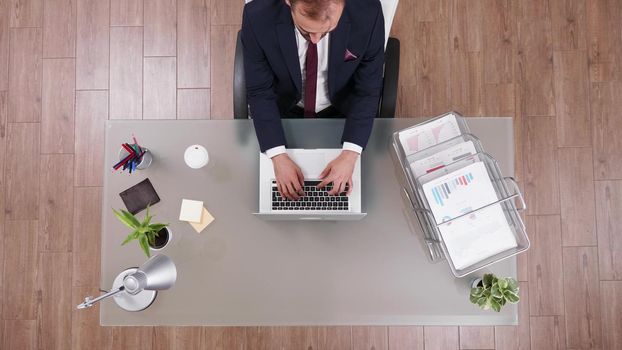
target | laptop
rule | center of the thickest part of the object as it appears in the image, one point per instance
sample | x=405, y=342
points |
x=316, y=204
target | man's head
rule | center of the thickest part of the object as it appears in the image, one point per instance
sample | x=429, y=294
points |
x=315, y=18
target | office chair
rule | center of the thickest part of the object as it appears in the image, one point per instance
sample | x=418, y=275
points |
x=388, y=98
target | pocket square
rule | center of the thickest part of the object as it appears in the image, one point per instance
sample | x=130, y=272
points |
x=349, y=56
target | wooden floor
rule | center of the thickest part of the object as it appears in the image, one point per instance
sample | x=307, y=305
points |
x=68, y=65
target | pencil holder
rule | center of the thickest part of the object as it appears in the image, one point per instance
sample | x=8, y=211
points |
x=145, y=160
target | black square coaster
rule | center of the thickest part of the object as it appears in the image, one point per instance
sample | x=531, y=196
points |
x=139, y=196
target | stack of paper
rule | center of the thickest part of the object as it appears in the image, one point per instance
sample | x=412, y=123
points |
x=482, y=233
x=195, y=214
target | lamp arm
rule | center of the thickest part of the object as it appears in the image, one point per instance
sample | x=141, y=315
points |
x=88, y=302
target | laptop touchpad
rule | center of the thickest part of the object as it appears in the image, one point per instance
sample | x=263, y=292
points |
x=311, y=163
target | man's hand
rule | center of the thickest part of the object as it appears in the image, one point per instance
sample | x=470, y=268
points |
x=289, y=178
x=339, y=172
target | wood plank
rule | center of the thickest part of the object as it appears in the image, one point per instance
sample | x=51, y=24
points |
x=608, y=223
x=224, y=338
x=20, y=268
x=431, y=10
x=581, y=296
x=572, y=99
x=92, y=44
x=54, y=305
x=546, y=287
x=224, y=38
x=568, y=24
x=611, y=304
x=178, y=338
x=604, y=40
x=26, y=13
x=335, y=338
x=467, y=25
x=59, y=28
x=548, y=332
x=537, y=9
x=91, y=116
x=405, y=338
x=193, y=44
x=432, y=64
x=466, y=82
x=3, y=145
x=87, y=236
x=301, y=338
x=4, y=48
x=477, y=337
x=56, y=203
x=22, y=171
x=370, y=338
x=126, y=12
x=577, y=197
x=193, y=104
x=25, y=77
x=524, y=338
x=263, y=338
x=440, y=338
x=605, y=102
x=161, y=27
x=506, y=338
x=126, y=72
x=20, y=334
x=57, y=110
x=540, y=166
x=535, y=67
x=86, y=332
x=498, y=99
x=227, y=12
x=402, y=29
x=160, y=93
x=499, y=41
x=135, y=338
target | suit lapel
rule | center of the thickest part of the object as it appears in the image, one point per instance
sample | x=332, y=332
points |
x=337, y=48
x=287, y=42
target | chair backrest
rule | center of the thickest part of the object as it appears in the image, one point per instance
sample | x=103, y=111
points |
x=388, y=10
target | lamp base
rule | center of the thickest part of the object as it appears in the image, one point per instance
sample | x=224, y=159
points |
x=130, y=302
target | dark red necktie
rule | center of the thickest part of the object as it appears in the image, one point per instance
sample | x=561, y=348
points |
x=310, y=79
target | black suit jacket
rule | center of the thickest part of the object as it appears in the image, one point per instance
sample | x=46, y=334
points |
x=273, y=76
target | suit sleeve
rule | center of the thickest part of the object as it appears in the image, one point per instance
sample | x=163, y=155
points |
x=365, y=98
x=260, y=90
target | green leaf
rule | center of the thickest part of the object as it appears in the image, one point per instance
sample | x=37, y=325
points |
x=511, y=297
x=487, y=280
x=495, y=292
x=473, y=298
x=144, y=245
x=503, y=283
x=482, y=303
x=128, y=239
x=512, y=285
x=130, y=218
x=495, y=305
x=477, y=291
x=124, y=218
x=157, y=227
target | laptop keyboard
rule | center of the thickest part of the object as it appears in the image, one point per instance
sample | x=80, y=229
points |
x=314, y=198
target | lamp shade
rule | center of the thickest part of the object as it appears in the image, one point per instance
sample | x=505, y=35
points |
x=157, y=273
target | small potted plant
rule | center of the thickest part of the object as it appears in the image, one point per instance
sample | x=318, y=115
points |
x=492, y=292
x=150, y=236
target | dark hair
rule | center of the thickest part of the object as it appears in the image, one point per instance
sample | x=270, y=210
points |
x=315, y=9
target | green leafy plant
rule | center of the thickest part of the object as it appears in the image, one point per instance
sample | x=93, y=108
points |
x=494, y=292
x=145, y=232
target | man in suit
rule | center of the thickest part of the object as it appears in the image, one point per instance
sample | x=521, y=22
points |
x=313, y=58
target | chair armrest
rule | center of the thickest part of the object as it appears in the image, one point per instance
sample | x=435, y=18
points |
x=391, y=77
x=240, y=106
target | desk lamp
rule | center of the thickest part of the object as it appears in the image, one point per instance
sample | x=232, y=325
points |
x=135, y=289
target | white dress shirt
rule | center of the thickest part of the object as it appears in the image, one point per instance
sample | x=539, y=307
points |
x=322, y=101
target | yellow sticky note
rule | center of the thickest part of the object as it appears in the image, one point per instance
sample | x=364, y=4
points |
x=206, y=219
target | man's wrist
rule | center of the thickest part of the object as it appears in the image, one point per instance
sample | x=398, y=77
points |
x=275, y=151
x=349, y=146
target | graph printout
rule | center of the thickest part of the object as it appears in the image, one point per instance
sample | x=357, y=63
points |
x=442, y=158
x=479, y=235
x=429, y=134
